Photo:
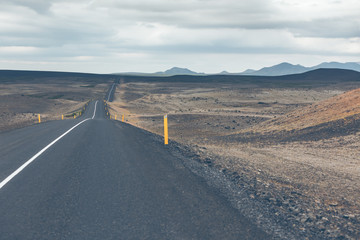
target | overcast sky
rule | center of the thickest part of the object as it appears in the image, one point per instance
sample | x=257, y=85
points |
x=106, y=36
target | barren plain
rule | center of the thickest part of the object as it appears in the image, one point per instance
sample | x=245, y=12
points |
x=243, y=130
x=22, y=99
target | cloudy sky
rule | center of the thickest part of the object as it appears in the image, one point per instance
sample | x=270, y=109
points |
x=106, y=36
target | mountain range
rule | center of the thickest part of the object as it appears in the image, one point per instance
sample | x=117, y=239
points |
x=287, y=68
x=276, y=70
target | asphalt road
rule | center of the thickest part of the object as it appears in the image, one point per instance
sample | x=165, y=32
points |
x=106, y=180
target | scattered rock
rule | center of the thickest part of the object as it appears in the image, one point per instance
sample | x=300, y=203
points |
x=347, y=216
x=303, y=220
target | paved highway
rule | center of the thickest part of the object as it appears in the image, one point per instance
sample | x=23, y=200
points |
x=106, y=180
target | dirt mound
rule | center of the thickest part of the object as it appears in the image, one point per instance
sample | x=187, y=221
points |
x=336, y=108
x=336, y=116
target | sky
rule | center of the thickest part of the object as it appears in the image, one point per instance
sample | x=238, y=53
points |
x=109, y=36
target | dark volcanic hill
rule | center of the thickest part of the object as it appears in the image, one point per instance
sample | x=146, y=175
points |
x=27, y=76
x=312, y=79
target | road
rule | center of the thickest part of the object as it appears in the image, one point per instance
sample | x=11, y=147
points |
x=106, y=180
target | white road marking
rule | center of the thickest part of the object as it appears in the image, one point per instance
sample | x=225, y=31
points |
x=94, y=110
x=17, y=171
x=110, y=91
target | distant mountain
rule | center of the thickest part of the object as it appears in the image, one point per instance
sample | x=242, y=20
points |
x=178, y=71
x=349, y=65
x=287, y=68
x=249, y=71
x=280, y=69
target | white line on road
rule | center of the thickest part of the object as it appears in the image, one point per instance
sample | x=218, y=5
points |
x=94, y=110
x=17, y=171
x=110, y=91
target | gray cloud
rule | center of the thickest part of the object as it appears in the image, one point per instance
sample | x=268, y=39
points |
x=328, y=28
x=110, y=31
x=40, y=6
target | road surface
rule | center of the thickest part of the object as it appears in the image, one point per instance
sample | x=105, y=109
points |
x=106, y=180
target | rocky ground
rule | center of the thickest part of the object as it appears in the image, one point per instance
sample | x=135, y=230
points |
x=307, y=176
x=312, y=185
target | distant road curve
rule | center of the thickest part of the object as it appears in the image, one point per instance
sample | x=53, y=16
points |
x=110, y=95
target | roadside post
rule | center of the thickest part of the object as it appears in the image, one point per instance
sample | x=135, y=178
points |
x=39, y=118
x=62, y=117
x=123, y=118
x=166, y=130
x=115, y=116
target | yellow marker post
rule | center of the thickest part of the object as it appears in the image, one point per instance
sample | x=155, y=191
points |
x=123, y=118
x=166, y=134
x=115, y=116
x=62, y=117
x=74, y=116
x=39, y=118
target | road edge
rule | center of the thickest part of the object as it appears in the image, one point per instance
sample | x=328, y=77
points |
x=260, y=214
